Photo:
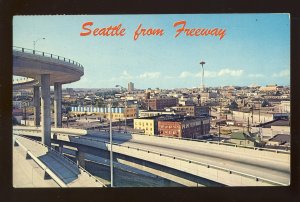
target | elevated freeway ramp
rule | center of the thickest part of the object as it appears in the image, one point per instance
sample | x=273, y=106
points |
x=36, y=165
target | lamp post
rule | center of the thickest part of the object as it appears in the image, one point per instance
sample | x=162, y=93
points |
x=34, y=42
x=202, y=78
x=110, y=140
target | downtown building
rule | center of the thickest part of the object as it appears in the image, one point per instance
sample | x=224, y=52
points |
x=118, y=113
x=130, y=87
x=183, y=126
x=160, y=103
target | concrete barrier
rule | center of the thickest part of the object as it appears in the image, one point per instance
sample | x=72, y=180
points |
x=43, y=166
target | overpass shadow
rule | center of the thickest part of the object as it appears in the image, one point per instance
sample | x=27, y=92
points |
x=65, y=170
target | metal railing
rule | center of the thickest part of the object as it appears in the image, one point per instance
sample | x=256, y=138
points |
x=230, y=171
x=48, y=55
x=66, y=158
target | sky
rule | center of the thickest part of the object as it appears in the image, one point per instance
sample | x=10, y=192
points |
x=254, y=50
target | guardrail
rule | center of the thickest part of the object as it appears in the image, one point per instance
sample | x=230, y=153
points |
x=230, y=171
x=48, y=55
x=69, y=160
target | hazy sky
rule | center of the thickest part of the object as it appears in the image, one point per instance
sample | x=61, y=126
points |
x=255, y=49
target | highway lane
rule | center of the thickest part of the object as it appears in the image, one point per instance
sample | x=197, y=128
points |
x=264, y=168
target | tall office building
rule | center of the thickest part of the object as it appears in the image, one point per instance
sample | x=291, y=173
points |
x=130, y=87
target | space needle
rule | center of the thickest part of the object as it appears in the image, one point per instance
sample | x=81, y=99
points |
x=202, y=78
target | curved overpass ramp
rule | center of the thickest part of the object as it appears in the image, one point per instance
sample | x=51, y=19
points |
x=45, y=70
x=24, y=83
x=32, y=64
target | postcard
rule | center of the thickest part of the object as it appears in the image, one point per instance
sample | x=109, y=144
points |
x=151, y=100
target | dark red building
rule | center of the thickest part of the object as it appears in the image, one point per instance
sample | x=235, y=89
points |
x=183, y=126
x=160, y=103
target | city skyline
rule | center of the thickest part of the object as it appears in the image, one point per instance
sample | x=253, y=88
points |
x=254, y=50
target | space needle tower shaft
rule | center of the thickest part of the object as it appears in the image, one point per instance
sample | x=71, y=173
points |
x=202, y=78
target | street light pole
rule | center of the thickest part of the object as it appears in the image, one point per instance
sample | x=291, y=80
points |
x=34, y=42
x=110, y=140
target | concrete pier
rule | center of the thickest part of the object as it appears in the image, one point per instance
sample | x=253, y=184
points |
x=37, y=105
x=80, y=156
x=57, y=104
x=46, y=115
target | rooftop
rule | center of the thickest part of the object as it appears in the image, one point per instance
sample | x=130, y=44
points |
x=241, y=136
x=277, y=122
x=179, y=118
x=282, y=138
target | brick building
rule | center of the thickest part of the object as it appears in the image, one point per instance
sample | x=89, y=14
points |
x=183, y=126
x=160, y=103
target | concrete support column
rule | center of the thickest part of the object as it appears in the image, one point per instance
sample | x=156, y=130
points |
x=59, y=148
x=57, y=104
x=80, y=156
x=37, y=105
x=46, y=111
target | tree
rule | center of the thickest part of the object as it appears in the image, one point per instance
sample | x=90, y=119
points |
x=68, y=109
x=115, y=104
x=198, y=97
x=100, y=103
x=265, y=103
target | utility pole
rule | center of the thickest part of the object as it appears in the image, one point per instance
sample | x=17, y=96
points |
x=252, y=113
x=125, y=114
x=25, y=113
x=68, y=116
x=248, y=126
x=219, y=130
x=259, y=114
